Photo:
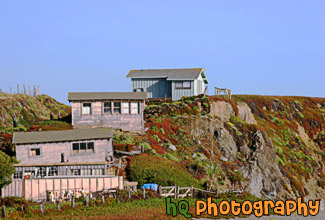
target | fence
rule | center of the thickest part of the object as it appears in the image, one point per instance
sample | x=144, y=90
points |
x=182, y=192
x=24, y=90
x=225, y=92
x=38, y=189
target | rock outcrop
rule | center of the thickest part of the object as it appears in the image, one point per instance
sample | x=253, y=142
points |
x=265, y=177
x=245, y=113
x=222, y=109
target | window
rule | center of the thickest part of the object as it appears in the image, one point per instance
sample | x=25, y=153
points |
x=135, y=108
x=86, y=172
x=179, y=85
x=125, y=108
x=34, y=152
x=98, y=172
x=53, y=171
x=85, y=147
x=18, y=175
x=117, y=108
x=108, y=107
x=110, y=171
x=29, y=173
x=41, y=172
x=86, y=108
x=186, y=85
x=75, y=172
x=183, y=84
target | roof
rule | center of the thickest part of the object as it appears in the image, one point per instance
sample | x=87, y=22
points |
x=77, y=96
x=170, y=74
x=62, y=135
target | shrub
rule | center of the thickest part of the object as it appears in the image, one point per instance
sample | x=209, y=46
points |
x=147, y=168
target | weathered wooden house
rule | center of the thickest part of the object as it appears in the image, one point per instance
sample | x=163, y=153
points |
x=63, y=153
x=119, y=110
x=169, y=83
x=60, y=161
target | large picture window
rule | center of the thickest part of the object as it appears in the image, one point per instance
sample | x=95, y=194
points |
x=135, y=108
x=86, y=108
x=108, y=107
x=85, y=147
x=183, y=84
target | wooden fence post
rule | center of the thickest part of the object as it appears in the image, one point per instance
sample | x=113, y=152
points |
x=144, y=193
x=4, y=214
x=175, y=191
x=192, y=191
x=87, y=200
x=73, y=202
x=58, y=205
x=22, y=208
x=160, y=191
x=103, y=199
x=41, y=207
x=129, y=194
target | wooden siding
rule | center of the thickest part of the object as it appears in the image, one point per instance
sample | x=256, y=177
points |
x=179, y=93
x=51, y=152
x=127, y=122
x=155, y=87
x=37, y=189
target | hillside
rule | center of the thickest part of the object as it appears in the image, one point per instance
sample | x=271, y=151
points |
x=20, y=111
x=272, y=146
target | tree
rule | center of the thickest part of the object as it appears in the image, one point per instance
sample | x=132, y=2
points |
x=6, y=169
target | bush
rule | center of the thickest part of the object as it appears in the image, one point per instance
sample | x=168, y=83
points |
x=147, y=168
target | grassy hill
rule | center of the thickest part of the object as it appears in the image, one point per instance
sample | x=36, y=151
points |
x=273, y=146
x=20, y=111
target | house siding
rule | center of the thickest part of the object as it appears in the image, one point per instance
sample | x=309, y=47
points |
x=155, y=87
x=127, y=122
x=51, y=152
x=179, y=93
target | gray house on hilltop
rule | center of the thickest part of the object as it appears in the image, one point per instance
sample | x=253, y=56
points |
x=169, y=83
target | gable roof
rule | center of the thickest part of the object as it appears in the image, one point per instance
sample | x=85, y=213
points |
x=61, y=136
x=170, y=74
x=87, y=96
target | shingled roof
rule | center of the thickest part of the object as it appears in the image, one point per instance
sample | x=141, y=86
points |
x=170, y=74
x=61, y=136
x=87, y=96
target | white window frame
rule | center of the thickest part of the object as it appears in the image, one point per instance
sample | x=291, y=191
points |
x=125, y=108
x=133, y=107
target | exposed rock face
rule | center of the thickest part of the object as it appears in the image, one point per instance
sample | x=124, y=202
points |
x=226, y=143
x=245, y=113
x=265, y=177
x=222, y=109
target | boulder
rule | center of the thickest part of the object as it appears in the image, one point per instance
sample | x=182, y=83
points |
x=172, y=147
x=245, y=113
x=222, y=109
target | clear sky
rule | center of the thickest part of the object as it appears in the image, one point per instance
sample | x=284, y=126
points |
x=251, y=47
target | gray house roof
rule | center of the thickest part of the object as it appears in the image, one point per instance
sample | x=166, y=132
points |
x=87, y=96
x=170, y=74
x=61, y=136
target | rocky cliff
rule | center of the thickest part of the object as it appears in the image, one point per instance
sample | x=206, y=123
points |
x=271, y=146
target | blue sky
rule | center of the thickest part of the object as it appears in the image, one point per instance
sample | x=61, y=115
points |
x=251, y=47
